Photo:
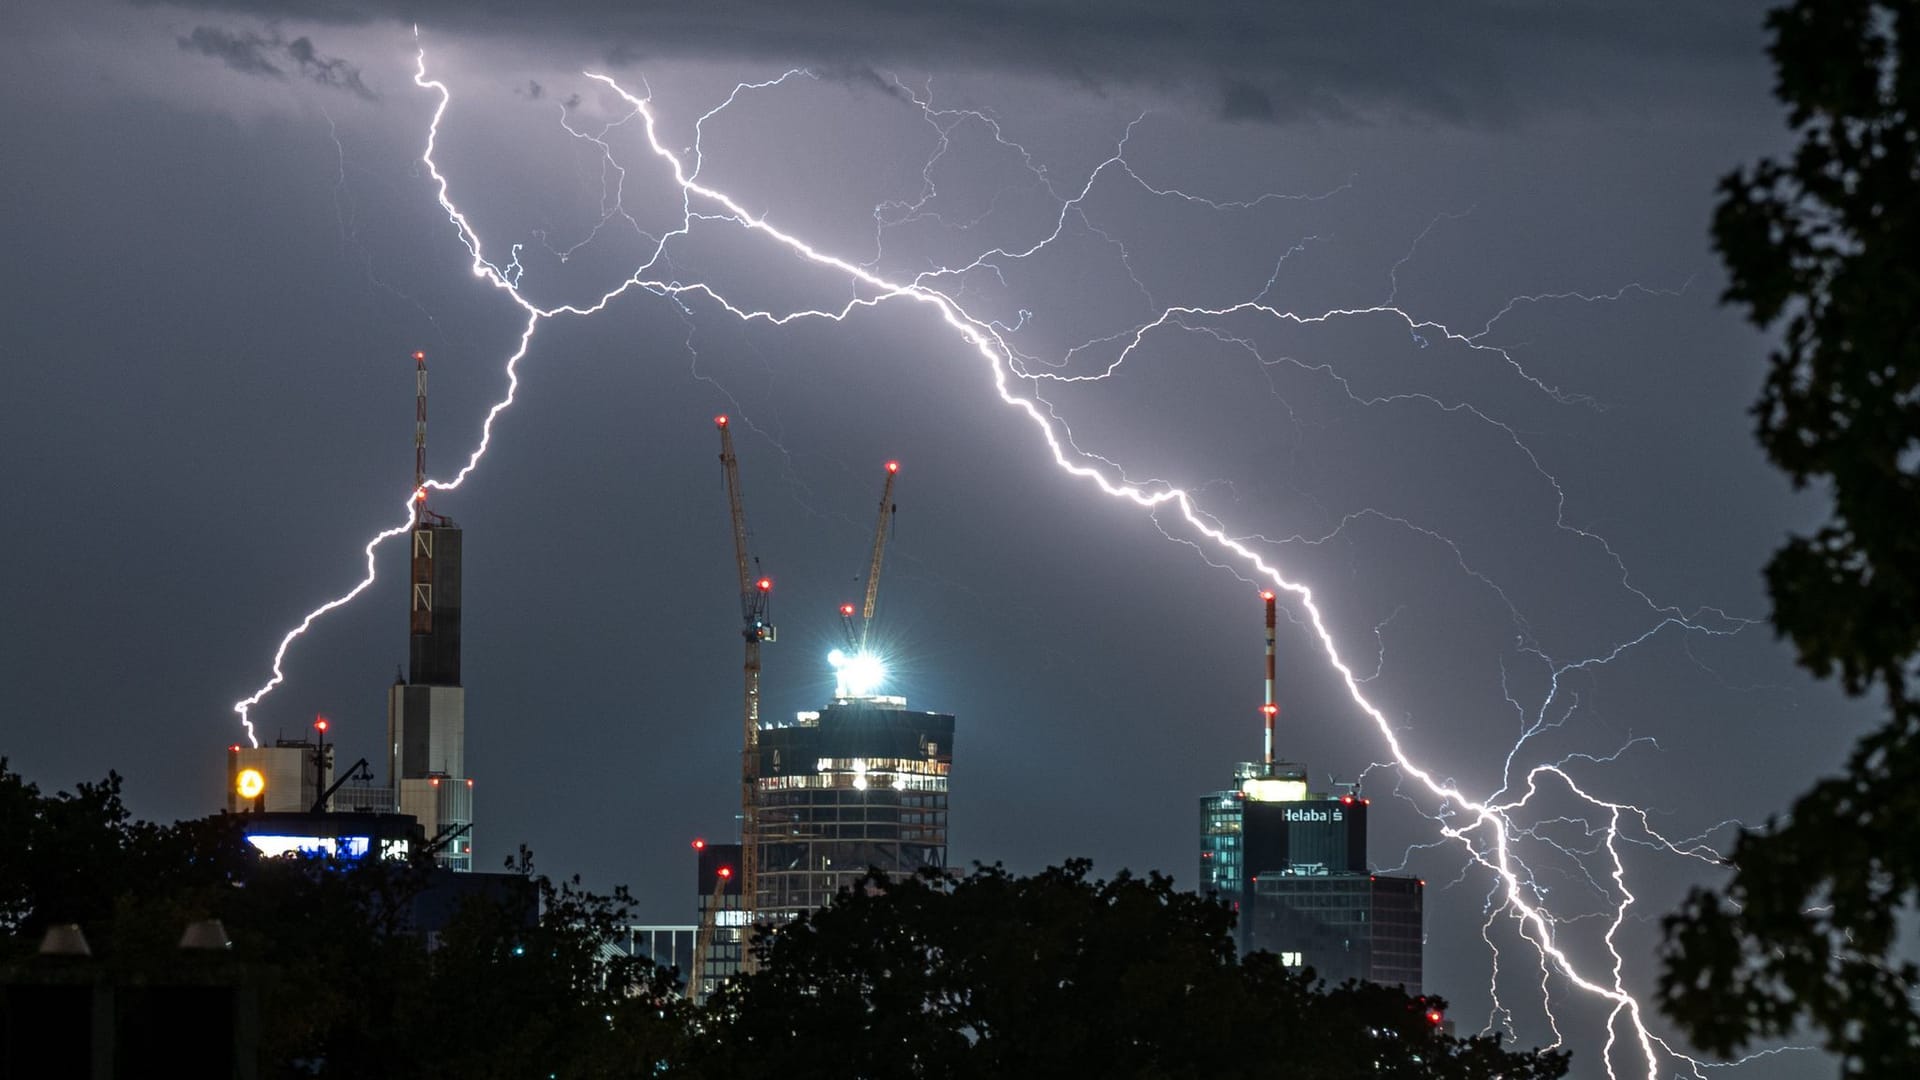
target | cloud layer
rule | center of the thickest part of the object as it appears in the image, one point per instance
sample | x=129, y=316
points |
x=272, y=56
x=1482, y=62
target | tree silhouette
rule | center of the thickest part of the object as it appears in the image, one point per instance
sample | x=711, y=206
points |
x=1056, y=974
x=1822, y=245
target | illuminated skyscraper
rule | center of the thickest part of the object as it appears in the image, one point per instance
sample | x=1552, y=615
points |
x=861, y=783
x=1294, y=866
x=427, y=710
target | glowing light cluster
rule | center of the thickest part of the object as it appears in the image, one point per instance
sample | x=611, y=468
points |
x=858, y=674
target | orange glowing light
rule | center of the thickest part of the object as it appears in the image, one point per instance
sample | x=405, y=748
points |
x=249, y=783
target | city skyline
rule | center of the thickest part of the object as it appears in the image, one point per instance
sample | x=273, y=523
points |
x=1498, y=426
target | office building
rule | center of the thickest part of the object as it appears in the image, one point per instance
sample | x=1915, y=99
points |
x=286, y=777
x=427, y=708
x=1293, y=864
x=861, y=783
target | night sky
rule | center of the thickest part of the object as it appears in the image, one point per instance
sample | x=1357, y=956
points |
x=1490, y=411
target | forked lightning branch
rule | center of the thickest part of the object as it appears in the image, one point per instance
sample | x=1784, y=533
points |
x=1488, y=830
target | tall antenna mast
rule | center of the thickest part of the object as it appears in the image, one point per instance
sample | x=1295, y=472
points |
x=1270, y=710
x=420, y=604
x=419, y=427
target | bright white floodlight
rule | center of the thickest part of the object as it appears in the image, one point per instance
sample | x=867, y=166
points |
x=858, y=675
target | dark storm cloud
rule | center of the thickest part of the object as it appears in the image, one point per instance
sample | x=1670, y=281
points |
x=242, y=52
x=1478, y=62
x=1244, y=101
x=259, y=54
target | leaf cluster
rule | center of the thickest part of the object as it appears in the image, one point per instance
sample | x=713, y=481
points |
x=993, y=975
x=987, y=975
x=1822, y=246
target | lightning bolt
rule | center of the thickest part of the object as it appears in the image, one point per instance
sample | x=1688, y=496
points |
x=1488, y=830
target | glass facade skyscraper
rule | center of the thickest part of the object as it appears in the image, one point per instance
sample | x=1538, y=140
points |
x=861, y=783
x=1293, y=865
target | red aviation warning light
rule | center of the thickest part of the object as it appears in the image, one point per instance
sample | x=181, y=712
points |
x=893, y=466
x=320, y=724
x=765, y=584
x=719, y=421
x=1270, y=709
x=1266, y=594
x=725, y=871
x=699, y=844
x=418, y=355
x=847, y=610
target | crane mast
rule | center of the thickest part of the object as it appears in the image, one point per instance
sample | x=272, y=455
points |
x=880, y=530
x=703, y=938
x=754, y=596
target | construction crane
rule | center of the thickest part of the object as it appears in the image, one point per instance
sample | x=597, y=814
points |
x=703, y=938
x=857, y=638
x=755, y=594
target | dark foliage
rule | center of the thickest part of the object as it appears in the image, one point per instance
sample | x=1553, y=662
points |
x=993, y=975
x=349, y=988
x=1823, y=245
x=990, y=975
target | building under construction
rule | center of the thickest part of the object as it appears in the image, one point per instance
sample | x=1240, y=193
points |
x=720, y=937
x=859, y=784
x=1293, y=864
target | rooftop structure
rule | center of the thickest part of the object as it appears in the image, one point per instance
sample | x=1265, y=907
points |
x=1293, y=863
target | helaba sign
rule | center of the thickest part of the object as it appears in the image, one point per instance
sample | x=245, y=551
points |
x=1312, y=815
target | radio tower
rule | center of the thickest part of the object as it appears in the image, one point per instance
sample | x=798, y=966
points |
x=1270, y=710
x=420, y=427
x=426, y=710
